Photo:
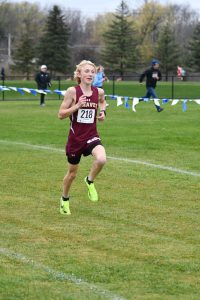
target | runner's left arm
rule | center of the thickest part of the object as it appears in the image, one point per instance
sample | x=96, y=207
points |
x=102, y=105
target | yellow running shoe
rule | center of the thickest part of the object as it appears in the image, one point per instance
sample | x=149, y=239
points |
x=64, y=207
x=92, y=193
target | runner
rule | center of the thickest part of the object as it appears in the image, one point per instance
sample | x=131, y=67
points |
x=81, y=105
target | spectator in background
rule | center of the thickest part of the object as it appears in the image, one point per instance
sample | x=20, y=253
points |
x=181, y=73
x=2, y=74
x=152, y=75
x=43, y=80
x=99, y=77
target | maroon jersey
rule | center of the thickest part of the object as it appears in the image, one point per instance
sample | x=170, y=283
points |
x=83, y=122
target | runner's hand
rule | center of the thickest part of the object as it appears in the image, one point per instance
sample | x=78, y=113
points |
x=81, y=101
x=101, y=116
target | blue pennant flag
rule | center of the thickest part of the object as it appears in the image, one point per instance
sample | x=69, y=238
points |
x=33, y=92
x=20, y=91
x=48, y=91
x=184, y=105
x=126, y=105
x=58, y=92
x=165, y=100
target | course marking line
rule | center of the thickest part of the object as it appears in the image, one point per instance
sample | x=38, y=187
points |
x=139, y=162
x=60, y=275
x=172, y=169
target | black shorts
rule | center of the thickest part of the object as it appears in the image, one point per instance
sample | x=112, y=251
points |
x=86, y=150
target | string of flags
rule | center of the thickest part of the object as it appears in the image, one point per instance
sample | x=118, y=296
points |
x=119, y=99
x=30, y=91
x=136, y=100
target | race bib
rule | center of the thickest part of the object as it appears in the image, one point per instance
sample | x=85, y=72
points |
x=86, y=115
x=154, y=75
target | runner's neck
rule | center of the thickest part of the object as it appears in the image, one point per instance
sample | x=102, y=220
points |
x=86, y=89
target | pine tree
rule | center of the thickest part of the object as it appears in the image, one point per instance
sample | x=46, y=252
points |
x=25, y=39
x=119, y=53
x=53, y=48
x=194, y=48
x=24, y=55
x=167, y=50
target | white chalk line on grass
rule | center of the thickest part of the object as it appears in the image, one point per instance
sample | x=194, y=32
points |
x=60, y=275
x=155, y=166
x=127, y=160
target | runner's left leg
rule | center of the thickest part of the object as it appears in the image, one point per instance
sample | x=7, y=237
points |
x=99, y=155
x=68, y=179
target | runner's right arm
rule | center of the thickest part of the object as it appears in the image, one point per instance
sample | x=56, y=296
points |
x=69, y=105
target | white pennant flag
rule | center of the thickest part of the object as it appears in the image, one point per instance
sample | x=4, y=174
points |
x=26, y=90
x=197, y=101
x=4, y=89
x=156, y=102
x=13, y=88
x=175, y=101
x=41, y=92
x=119, y=101
x=135, y=102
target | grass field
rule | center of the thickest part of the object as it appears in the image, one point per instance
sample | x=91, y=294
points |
x=140, y=241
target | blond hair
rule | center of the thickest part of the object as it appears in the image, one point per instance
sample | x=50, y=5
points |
x=79, y=67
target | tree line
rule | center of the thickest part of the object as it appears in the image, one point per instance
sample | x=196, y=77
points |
x=123, y=41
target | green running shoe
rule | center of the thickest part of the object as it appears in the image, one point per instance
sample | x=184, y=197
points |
x=92, y=193
x=64, y=207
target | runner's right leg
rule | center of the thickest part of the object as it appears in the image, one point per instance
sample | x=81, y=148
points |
x=67, y=182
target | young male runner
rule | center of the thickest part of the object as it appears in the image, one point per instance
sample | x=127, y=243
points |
x=81, y=105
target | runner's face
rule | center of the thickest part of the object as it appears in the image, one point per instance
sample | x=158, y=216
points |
x=87, y=74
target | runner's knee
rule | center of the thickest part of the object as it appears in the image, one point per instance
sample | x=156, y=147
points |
x=71, y=175
x=101, y=160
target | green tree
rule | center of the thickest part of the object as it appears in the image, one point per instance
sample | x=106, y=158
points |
x=22, y=22
x=53, y=47
x=167, y=50
x=24, y=51
x=119, y=52
x=24, y=56
x=148, y=21
x=194, y=47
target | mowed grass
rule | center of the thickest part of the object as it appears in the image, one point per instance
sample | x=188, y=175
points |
x=140, y=241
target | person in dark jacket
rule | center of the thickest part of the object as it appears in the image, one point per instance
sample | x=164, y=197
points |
x=43, y=80
x=152, y=75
